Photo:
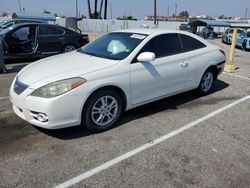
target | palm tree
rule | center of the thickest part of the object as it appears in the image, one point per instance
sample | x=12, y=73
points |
x=105, y=9
x=100, y=10
x=89, y=8
x=95, y=13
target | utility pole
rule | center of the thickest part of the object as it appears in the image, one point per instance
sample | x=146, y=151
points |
x=246, y=13
x=155, y=12
x=19, y=5
x=111, y=13
x=175, y=11
x=168, y=11
x=76, y=8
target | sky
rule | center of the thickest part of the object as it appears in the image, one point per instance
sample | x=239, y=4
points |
x=136, y=8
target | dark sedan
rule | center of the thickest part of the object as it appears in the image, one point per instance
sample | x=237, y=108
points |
x=37, y=40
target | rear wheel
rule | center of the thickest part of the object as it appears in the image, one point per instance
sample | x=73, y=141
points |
x=102, y=110
x=68, y=48
x=207, y=82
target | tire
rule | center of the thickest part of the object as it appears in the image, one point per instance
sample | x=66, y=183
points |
x=68, y=48
x=207, y=82
x=102, y=110
x=244, y=45
x=3, y=70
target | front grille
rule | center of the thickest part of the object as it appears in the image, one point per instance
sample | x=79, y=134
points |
x=19, y=87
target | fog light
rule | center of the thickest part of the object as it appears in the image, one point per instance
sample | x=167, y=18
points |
x=42, y=117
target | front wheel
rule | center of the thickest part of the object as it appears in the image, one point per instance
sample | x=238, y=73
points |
x=102, y=110
x=206, y=82
x=244, y=45
x=3, y=69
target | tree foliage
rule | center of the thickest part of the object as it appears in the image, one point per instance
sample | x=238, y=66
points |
x=184, y=14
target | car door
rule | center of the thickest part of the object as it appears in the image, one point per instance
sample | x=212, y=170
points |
x=21, y=42
x=196, y=57
x=49, y=40
x=166, y=75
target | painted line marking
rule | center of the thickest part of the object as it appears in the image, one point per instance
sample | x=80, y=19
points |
x=1, y=98
x=135, y=151
x=237, y=76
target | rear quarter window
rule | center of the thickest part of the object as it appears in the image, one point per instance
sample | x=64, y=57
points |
x=47, y=30
x=190, y=43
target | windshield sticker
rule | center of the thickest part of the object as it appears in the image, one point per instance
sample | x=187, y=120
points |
x=137, y=36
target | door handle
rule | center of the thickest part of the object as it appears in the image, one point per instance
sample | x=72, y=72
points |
x=184, y=64
x=62, y=38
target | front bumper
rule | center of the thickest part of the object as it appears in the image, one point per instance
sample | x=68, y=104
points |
x=62, y=111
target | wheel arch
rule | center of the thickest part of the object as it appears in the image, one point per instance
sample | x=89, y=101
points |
x=215, y=70
x=111, y=87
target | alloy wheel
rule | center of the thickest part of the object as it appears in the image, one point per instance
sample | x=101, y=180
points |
x=104, y=110
x=69, y=48
x=207, y=81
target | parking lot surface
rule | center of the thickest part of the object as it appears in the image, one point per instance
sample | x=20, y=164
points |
x=206, y=145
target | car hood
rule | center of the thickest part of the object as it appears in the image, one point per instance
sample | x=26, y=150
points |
x=67, y=65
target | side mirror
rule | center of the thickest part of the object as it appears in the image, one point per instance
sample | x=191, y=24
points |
x=146, y=56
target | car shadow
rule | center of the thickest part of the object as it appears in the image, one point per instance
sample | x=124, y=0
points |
x=20, y=60
x=173, y=102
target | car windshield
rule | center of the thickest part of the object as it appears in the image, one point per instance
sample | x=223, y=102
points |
x=240, y=31
x=6, y=24
x=4, y=31
x=115, y=46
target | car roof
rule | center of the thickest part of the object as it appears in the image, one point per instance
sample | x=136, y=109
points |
x=151, y=31
x=34, y=24
x=39, y=24
x=28, y=20
x=162, y=31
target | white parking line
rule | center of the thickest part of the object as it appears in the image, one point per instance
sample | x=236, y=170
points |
x=1, y=98
x=237, y=76
x=135, y=151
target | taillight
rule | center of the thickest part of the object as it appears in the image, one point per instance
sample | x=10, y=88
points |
x=84, y=40
x=86, y=37
x=223, y=52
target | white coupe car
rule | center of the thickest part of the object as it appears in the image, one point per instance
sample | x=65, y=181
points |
x=116, y=72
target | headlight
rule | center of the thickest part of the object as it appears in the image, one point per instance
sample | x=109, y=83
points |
x=57, y=88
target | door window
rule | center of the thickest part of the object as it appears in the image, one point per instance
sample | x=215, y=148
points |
x=22, y=33
x=163, y=45
x=22, y=40
x=190, y=43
